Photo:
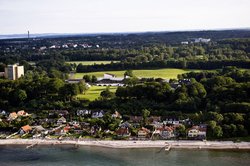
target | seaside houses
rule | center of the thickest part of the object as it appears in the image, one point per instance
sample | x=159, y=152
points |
x=25, y=130
x=197, y=132
x=22, y=113
x=123, y=132
x=61, y=121
x=12, y=116
x=143, y=133
x=163, y=132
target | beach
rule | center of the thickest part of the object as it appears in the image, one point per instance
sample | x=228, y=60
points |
x=134, y=144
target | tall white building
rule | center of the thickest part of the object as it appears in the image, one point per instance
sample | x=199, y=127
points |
x=14, y=72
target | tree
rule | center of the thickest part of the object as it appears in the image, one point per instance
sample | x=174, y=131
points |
x=181, y=130
x=87, y=78
x=107, y=94
x=145, y=114
x=93, y=79
x=55, y=84
x=18, y=96
x=218, y=132
x=128, y=73
x=68, y=91
x=82, y=87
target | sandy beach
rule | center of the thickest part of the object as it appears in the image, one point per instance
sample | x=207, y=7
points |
x=135, y=144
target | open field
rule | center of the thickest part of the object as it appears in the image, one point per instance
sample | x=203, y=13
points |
x=90, y=62
x=166, y=73
x=94, y=92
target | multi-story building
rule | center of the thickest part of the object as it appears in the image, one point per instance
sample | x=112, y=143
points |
x=14, y=72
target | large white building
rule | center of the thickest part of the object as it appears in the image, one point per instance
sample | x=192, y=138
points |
x=14, y=72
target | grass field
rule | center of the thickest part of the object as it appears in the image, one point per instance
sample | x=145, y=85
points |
x=94, y=92
x=90, y=62
x=162, y=73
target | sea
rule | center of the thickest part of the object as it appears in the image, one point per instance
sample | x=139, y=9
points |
x=68, y=155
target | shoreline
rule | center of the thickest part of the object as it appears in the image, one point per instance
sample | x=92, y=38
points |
x=120, y=144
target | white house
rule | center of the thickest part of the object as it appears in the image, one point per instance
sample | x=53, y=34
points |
x=83, y=112
x=61, y=120
x=184, y=43
x=201, y=40
x=108, y=76
x=198, y=132
x=98, y=114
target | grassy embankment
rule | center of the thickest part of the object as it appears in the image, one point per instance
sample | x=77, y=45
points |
x=94, y=92
x=162, y=73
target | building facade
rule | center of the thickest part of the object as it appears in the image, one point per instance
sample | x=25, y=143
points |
x=14, y=72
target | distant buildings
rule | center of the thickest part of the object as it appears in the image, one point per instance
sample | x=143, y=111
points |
x=202, y=40
x=14, y=72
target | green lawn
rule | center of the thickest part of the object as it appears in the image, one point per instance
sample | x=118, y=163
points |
x=90, y=62
x=94, y=92
x=162, y=73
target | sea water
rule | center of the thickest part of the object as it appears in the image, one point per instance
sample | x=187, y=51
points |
x=68, y=155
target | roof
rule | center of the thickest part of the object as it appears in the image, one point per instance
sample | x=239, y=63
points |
x=26, y=128
x=39, y=128
x=122, y=131
x=13, y=114
x=144, y=130
x=110, y=74
x=200, y=128
x=61, y=119
x=166, y=128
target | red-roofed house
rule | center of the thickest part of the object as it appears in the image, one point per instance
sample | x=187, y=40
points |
x=25, y=129
x=143, y=133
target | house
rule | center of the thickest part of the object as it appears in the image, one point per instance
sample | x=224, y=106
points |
x=125, y=125
x=39, y=131
x=22, y=113
x=171, y=121
x=202, y=40
x=143, y=133
x=98, y=114
x=136, y=119
x=184, y=43
x=153, y=119
x=108, y=76
x=197, y=132
x=12, y=116
x=116, y=115
x=2, y=112
x=83, y=112
x=123, y=132
x=94, y=129
x=58, y=112
x=66, y=129
x=61, y=121
x=165, y=132
x=24, y=130
x=85, y=126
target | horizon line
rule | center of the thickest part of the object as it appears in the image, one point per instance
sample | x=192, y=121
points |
x=126, y=32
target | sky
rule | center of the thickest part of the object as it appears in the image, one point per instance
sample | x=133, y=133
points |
x=91, y=16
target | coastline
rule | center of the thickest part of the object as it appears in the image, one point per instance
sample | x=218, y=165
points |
x=213, y=145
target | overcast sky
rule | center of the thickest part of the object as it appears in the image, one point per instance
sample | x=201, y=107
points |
x=88, y=16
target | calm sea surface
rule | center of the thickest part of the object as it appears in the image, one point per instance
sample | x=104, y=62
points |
x=97, y=156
